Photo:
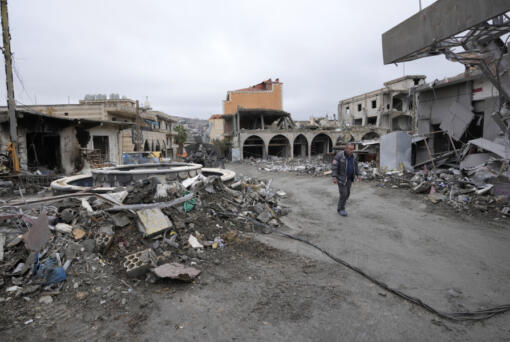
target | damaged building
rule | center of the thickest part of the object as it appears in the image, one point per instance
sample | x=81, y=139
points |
x=60, y=144
x=455, y=110
x=156, y=126
x=370, y=115
x=262, y=133
x=254, y=125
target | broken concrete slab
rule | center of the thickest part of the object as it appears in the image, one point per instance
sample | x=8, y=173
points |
x=265, y=216
x=37, y=237
x=476, y=159
x=456, y=120
x=120, y=220
x=489, y=146
x=153, y=221
x=176, y=271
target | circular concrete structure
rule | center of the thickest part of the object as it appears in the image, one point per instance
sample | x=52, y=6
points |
x=85, y=182
x=129, y=174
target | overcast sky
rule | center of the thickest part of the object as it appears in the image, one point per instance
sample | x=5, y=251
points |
x=185, y=55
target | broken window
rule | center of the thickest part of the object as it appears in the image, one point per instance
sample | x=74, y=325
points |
x=416, y=81
x=374, y=103
x=359, y=107
x=358, y=122
x=397, y=104
x=347, y=110
x=101, y=143
x=372, y=120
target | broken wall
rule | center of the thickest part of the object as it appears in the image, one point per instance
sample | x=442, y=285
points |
x=433, y=104
x=490, y=129
x=69, y=149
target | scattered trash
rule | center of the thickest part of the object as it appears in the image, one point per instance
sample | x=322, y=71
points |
x=78, y=233
x=193, y=242
x=64, y=228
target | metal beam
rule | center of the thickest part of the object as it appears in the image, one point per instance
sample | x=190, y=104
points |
x=437, y=22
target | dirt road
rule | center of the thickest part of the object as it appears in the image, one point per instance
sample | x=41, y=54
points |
x=295, y=293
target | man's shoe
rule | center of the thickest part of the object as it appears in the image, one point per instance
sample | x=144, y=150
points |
x=342, y=213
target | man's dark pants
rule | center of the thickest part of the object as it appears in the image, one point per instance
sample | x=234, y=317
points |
x=345, y=191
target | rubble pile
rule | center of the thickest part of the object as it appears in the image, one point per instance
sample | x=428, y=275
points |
x=208, y=155
x=478, y=189
x=313, y=167
x=99, y=246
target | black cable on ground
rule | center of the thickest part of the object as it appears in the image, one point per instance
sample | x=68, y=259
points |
x=453, y=316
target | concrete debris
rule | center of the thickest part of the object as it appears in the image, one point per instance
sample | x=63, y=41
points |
x=67, y=215
x=120, y=220
x=64, y=228
x=88, y=238
x=37, y=237
x=139, y=263
x=193, y=242
x=316, y=166
x=176, y=271
x=153, y=221
x=208, y=155
x=474, y=187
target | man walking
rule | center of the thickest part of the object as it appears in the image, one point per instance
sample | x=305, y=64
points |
x=345, y=169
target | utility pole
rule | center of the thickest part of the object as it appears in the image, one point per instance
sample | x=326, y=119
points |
x=11, y=105
x=138, y=128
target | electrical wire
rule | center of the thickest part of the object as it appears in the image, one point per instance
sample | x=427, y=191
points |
x=477, y=315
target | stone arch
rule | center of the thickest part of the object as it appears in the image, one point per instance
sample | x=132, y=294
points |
x=370, y=136
x=158, y=146
x=321, y=144
x=253, y=146
x=300, y=146
x=146, y=146
x=279, y=145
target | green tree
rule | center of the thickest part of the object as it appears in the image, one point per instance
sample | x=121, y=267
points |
x=180, y=138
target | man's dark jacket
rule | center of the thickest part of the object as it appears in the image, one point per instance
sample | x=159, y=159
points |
x=339, y=167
